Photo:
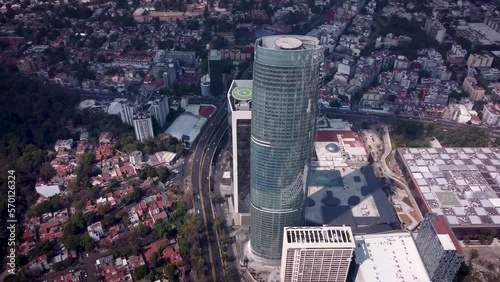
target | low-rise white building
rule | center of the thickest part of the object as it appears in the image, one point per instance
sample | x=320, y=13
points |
x=388, y=257
x=491, y=115
x=62, y=145
x=461, y=114
x=338, y=147
x=95, y=231
x=48, y=190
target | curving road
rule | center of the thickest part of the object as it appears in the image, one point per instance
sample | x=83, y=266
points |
x=390, y=174
x=207, y=144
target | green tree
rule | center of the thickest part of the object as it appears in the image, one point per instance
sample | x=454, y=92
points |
x=474, y=254
x=47, y=172
x=86, y=242
x=206, y=12
x=142, y=230
x=71, y=241
x=163, y=230
x=466, y=240
x=163, y=173
x=172, y=272
x=365, y=125
x=335, y=104
x=140, y=272
x=344, y=98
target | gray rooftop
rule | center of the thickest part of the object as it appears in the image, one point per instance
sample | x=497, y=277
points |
x=463, y=184
x=335, y=203
x=215, y=55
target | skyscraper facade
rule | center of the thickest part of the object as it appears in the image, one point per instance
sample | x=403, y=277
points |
x=439, y=248
x=215, y=70
x=285, y=77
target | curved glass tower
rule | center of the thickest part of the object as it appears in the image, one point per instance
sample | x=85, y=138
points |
x=285, y=77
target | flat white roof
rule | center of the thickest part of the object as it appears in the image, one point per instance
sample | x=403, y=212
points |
x=446, y=242
x=183, y=125
x=114, y=108
x=389, y=257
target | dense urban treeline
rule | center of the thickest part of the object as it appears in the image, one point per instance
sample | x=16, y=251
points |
x=32, y=117
x=417, y=134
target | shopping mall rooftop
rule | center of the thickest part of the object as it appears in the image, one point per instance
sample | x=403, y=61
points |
x=463, y=184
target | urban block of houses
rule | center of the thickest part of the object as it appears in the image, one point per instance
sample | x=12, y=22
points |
x=51, y=230
x=150, y=210
x=114, y=270
x=169, y=251
x=68, y=277
x=38, y=265
x=111, y=198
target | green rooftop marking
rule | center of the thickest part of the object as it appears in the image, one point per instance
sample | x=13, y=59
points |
x=242, y=93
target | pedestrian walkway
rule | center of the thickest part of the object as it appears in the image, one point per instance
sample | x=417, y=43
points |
x=390, y=174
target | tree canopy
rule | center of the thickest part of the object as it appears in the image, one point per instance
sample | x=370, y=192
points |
x=33, y=116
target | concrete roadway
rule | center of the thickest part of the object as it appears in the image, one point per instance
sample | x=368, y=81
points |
x=445, y=124
x=200, y=186
x=213, y=212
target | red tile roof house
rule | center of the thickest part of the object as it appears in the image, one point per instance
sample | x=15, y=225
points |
x=81, y=147
x=128, y=170
x=104, y=150
x=135, y=261
x=112, y=274
x=39, y=264
x=153, y=248
x=25, y=247
x=68, y=277
x=28, y=236
x=114, y=230
x=51, y=230
x=173, y=255
x=105, y=137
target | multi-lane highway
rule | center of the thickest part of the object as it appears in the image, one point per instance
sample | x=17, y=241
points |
x=200, y=182
x=202, y=157
x=211, y=212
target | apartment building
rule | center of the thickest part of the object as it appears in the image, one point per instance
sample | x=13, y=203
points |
x=143, y=127
x=475, y=91
x=479, y=60
x=491, y=115
x=439, y=248
x=316, y=253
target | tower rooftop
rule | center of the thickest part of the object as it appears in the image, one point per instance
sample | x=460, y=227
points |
x=289, y=42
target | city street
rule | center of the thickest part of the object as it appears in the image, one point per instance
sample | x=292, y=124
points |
x=386, y=118
x=200, y=182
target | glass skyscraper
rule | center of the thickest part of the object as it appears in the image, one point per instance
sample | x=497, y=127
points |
x=285, y=79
